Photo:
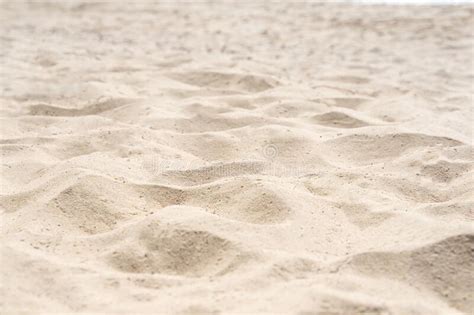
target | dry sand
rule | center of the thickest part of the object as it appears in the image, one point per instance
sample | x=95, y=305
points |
x=205, y=158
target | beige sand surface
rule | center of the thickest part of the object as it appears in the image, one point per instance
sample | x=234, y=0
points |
x=205, y=158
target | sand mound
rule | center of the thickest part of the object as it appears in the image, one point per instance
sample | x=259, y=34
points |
x=444, y=267
x=226, y=81
x=175, y=251
x=339, y=120
x=375, y=148
x=94, y=109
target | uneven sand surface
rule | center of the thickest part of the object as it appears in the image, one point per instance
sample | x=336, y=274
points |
x=207, y=159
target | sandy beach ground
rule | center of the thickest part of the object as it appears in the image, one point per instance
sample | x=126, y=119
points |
x=236, y=158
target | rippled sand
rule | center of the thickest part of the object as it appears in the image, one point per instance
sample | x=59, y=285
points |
x=205, y=158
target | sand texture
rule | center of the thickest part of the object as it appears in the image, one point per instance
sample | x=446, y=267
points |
x=236, y=158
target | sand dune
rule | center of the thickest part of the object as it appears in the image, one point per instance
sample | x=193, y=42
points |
x=248, y=158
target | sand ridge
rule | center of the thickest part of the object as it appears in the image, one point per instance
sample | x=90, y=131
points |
x=250, y=158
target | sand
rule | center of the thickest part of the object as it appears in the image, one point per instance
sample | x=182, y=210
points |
x=215, y=159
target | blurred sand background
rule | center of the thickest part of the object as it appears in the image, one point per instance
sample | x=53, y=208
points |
x=208, y=158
